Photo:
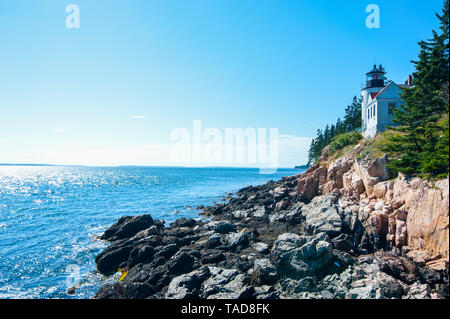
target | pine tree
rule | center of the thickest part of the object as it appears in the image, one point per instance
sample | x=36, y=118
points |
x=351, y=122
x=419, y=146
x=352, y=118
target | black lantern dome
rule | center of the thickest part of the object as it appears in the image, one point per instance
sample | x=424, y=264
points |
x=376, y=77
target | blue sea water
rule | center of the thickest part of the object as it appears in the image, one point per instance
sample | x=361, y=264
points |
x=51, y=216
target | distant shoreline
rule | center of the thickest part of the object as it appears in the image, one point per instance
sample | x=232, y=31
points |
x=41, y=165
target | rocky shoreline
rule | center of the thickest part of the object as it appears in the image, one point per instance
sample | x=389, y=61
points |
x=339, y=230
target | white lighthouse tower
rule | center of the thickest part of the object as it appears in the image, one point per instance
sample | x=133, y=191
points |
x=375, y=82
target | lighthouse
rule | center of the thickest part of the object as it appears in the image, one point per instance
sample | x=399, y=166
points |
x=378, y=99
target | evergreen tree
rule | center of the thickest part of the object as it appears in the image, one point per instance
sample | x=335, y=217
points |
x=351, y=122
x=352, y=118
x=420, y=145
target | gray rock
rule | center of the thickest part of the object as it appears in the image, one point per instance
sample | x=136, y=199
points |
x=221, y=227
x=261, y=247
x=127, y=226
x=419, y=291
x=321, y=215
x=293, y=287
x=371, y=283
x=214, y=240
x=260, y=212
x=240, y=238
x=299, y=256
x=187, y=286
x=212, y=256
x=181, y=262
x=223, y=284
x=264, y=273
x=239, y=214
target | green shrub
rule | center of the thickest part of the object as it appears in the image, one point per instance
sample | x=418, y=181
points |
x=342, y=140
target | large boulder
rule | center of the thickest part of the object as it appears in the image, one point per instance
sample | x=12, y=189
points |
x=299, y=256
x=427, y=222
x=109, y=261
x=372, y=172
x=321, y=215
x=309, y=182
x=127, y=226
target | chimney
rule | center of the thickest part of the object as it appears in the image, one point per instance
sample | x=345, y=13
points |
x=409, y=80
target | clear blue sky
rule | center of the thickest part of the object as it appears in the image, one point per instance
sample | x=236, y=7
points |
x=111, y=91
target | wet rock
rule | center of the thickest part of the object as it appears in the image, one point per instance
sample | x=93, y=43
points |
x=127, y=226
x=134, y=290
x=110, y=259
x=146, y=233
x=108, y=291
x=71, y=290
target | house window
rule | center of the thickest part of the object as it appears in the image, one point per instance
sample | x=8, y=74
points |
x=391, y=108
x=374, y=107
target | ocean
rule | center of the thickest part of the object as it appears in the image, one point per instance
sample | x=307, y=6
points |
x=51, y=216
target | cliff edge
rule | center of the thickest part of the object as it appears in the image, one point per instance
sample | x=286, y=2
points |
x=342, y=229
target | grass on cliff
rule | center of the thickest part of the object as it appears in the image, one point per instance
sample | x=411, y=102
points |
x=342, y=143
x=373, y=148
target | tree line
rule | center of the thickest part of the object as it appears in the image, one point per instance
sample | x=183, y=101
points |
x=351, y=122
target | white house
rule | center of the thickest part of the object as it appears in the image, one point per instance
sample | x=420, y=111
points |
x=378, y=101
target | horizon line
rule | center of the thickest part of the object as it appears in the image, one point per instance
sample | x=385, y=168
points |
x=131, y=165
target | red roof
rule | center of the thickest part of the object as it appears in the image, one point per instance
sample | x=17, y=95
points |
x=373, y=94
